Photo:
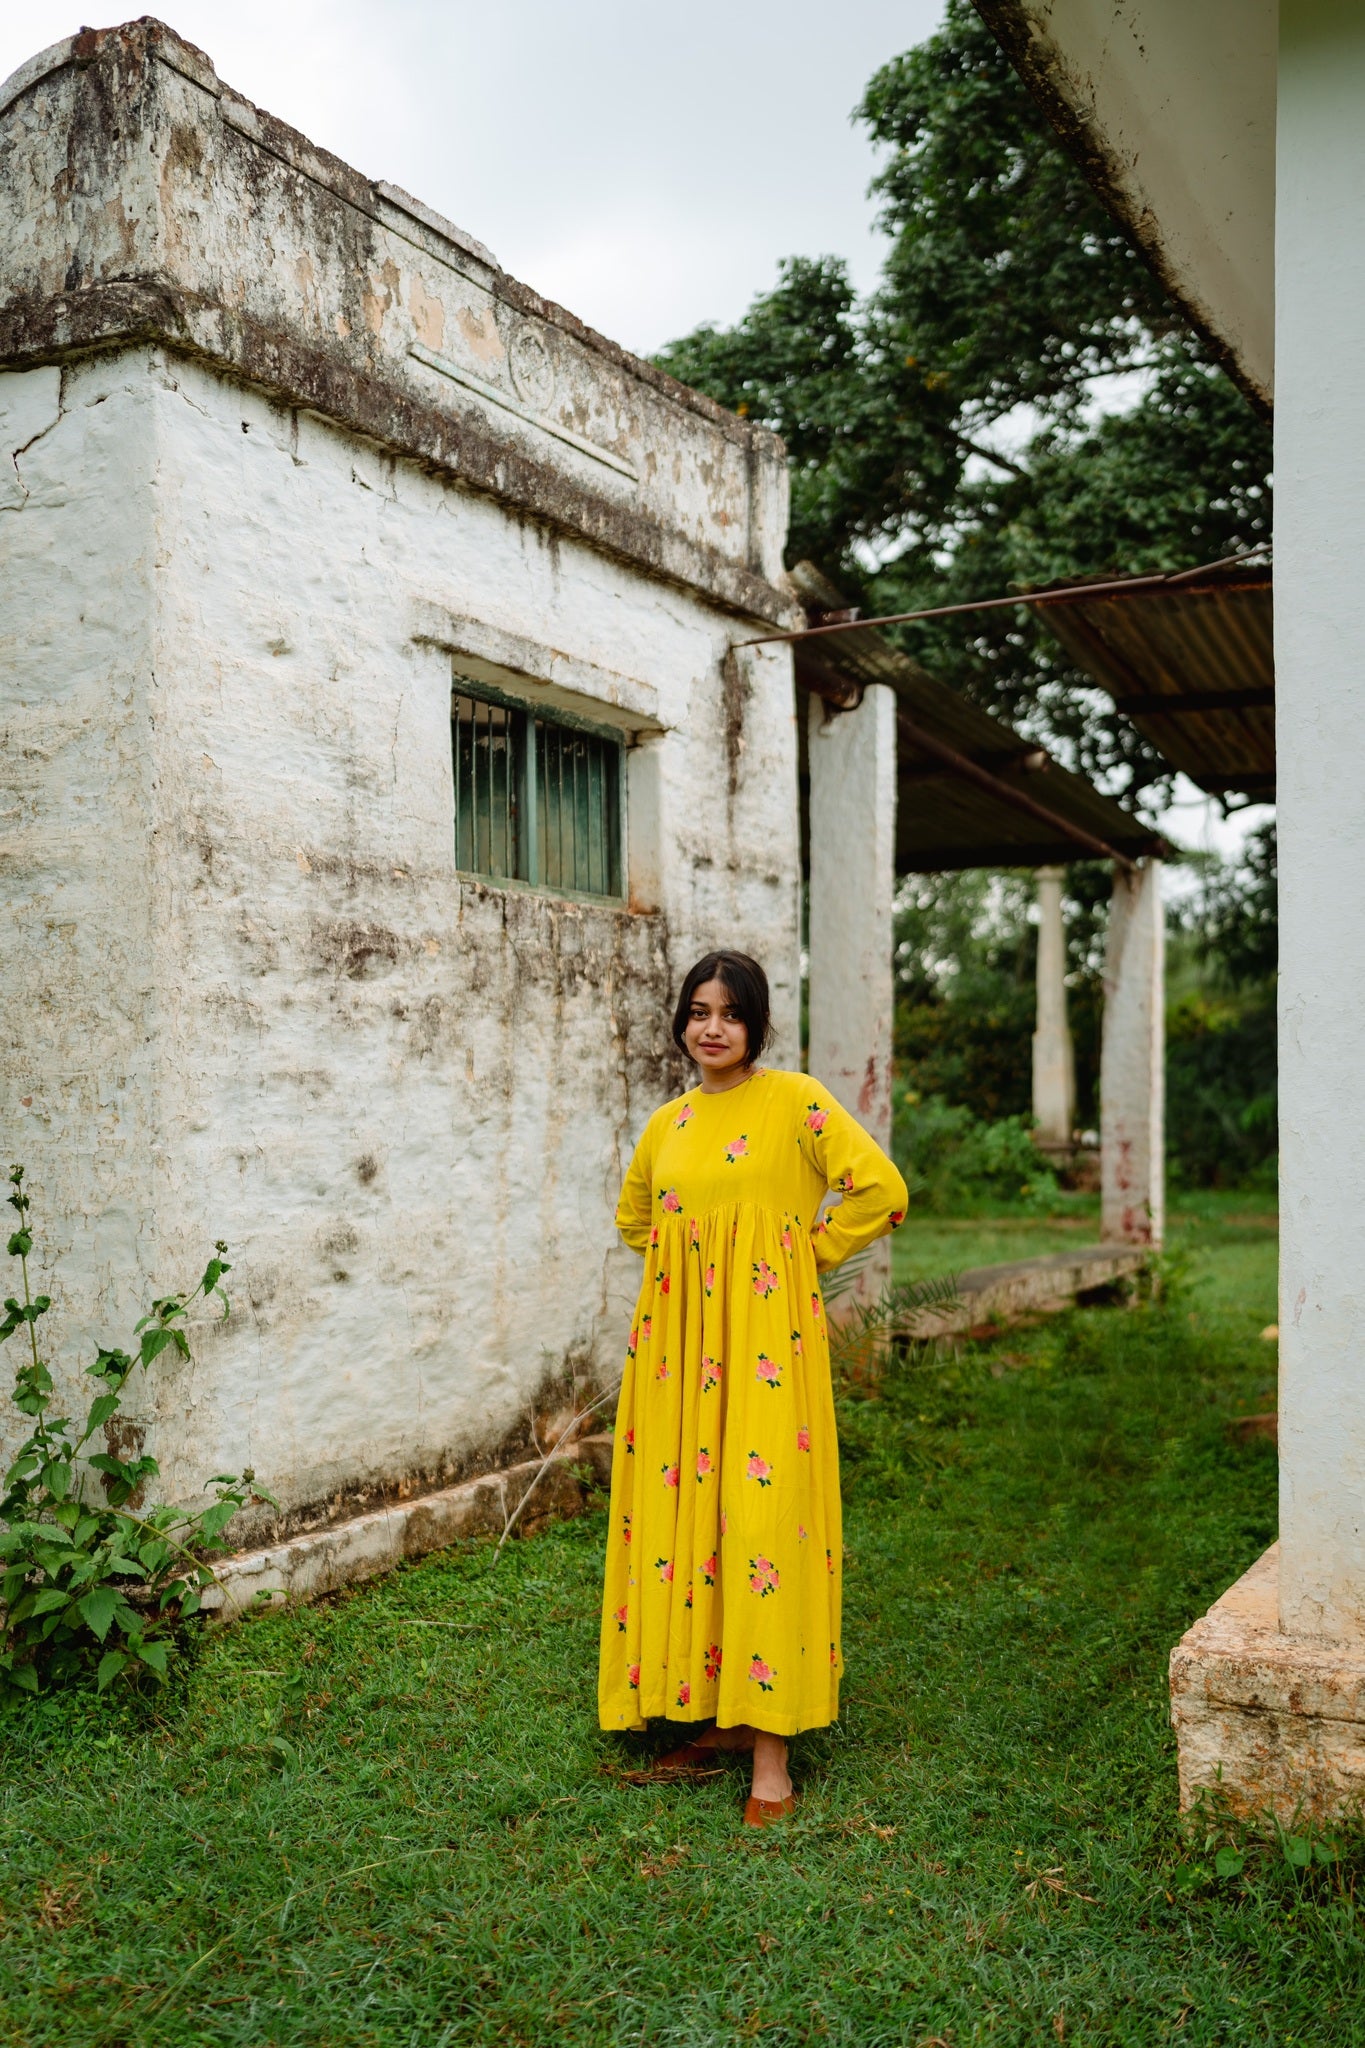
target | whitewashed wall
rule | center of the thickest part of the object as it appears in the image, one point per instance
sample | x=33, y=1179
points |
x=246, y=995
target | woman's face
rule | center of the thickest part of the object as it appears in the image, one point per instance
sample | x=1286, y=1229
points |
x=714, y=1031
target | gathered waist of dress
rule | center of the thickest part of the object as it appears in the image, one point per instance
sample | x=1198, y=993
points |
x=722, y=1212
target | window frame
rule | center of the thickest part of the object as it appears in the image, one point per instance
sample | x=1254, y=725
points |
x=549, y=715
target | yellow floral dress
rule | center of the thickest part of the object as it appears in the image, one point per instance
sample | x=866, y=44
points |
x=724, y=1548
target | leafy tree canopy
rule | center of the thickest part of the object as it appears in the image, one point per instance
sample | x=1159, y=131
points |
x=949, y=437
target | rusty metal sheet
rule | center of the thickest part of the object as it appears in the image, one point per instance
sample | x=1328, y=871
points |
x=1167, y=654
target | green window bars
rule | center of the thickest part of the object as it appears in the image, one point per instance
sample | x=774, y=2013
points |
x=537, y=798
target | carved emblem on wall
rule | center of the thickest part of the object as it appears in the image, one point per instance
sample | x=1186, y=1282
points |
x=531, y=366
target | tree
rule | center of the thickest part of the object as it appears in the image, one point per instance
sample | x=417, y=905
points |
x=948, y=436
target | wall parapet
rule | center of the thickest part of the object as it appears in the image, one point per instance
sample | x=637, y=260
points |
x=149, y=203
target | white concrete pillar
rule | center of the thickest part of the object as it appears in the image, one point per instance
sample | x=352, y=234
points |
x=1320, y=737
x=1132, y=1063
x=1054, y=1056
x=852, y=757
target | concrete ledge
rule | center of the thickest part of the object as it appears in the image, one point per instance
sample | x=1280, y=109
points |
x=324, y=1560
x=1277, y=1722
x=993, y=1296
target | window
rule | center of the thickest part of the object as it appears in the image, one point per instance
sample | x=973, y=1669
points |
x=537, y=799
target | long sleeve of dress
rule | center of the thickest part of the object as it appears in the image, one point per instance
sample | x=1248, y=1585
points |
x=872, y=1193
x=635, y=1209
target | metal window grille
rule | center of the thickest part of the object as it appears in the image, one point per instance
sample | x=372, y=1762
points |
x=537, y=800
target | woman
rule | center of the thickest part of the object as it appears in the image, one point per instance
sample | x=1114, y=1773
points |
x=724, y=1551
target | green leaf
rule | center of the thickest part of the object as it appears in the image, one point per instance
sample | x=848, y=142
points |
x=49, y=1600
x=20, y=1244
x=110, y=1665
x=24, y=1676
x=1298, y=1851
x=1229, y=1862
x=97, y=1609
x=57, y=1478
x=154, y=1656
x=215, y=1518
x=154, y=1342
x=129, y=1565
x=100, y=1412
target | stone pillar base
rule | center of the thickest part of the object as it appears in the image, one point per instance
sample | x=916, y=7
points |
x=1276, y=1721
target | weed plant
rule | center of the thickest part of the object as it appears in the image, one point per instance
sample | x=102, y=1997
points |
x=390, y=1821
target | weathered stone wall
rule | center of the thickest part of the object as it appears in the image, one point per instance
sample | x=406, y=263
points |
x=144, y=199
x=245, y=992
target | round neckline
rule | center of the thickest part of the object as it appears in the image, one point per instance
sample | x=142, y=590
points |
x=717, y=1094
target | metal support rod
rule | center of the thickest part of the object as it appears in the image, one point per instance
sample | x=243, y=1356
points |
x=991, y=604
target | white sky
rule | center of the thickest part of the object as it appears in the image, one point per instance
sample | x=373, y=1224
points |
x=647, y=166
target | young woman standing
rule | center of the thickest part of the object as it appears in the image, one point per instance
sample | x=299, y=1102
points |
x=724, y=1551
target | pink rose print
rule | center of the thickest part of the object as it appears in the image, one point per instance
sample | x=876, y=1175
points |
x=670, y=1473
x=664, y=1283
x=844, y=1184
x=620, y=1618
x=803, y=1438
x=633, y=1677
x=625, y=1528
x=708, y=1571
x=634, y=1340
x=816, y=1117
x=713, y=1661
x=722, y=1522
x=711, y=1370
x=798, y=1345
x=829, y=1562
x=764, y=1577
x=661, y=1371
x=684, y=1694
x=765, y=1279
x=654, y=1235
x=737, y=1149
x=896, y=1218
x=684, y=1116
x=687, y=1597
x=646, y=1325
x=833, y=1654
x=704, y=1465
x=768, y=1371
x=762, y=1675
x=630, y=1442
x=787, y=1238
x=802, y=1532
x=693, y=1234
x=815, y=1306
x=670, y=1201
x=708, y=1278
x=759, y=1469
x=664, y=1567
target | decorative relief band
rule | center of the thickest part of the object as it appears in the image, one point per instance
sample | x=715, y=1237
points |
x=522, y=370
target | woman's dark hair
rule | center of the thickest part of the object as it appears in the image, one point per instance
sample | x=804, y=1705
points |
x=747, y=986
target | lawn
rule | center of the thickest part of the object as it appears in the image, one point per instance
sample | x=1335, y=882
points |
x=391, y=1820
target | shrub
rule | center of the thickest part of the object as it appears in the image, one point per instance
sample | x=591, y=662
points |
x=959, y=1160
x=90, y=1583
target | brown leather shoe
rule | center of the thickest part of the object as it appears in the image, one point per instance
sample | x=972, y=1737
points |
x=761, y=1813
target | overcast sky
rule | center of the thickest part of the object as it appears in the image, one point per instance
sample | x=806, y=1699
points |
x=647, y=166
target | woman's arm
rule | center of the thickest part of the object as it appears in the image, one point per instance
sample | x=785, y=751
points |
x=635, y=1210
x=872, y=1194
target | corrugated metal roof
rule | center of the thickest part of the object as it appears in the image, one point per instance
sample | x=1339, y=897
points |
x=1037, y=814
x=1201, y=645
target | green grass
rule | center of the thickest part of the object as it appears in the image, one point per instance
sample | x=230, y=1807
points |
x=435, y=1845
